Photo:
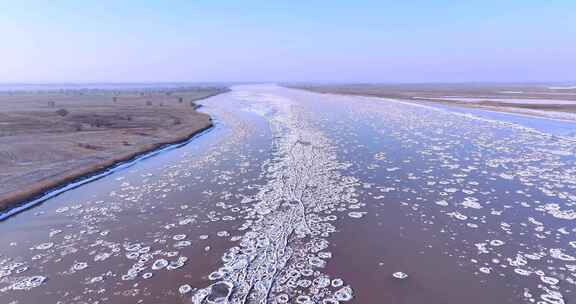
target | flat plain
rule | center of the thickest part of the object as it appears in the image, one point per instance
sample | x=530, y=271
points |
x=51, y=137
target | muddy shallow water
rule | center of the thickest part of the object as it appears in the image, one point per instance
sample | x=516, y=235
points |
x=297, y=197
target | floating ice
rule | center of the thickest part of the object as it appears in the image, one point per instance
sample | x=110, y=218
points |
x=285, y=230
x=471, y=203
x=79, y=266
x=159, y=264
x=282, y=298
x=147, y=275
x=522, y=272
x=182, y=244
x=29, y=283
x=216, y=293
x=44, y=246
x=184, y=289
x=179, y=237
x=344, y=294
x=356, y=214
x=400, y=275
x=101, y=256
x=496, y=243
x=442, y=203
x=558, y=253
x=549, y=280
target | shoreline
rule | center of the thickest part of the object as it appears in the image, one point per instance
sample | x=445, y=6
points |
x=523, y=111
x=91, y=168
x=41, y=190
x=565, y=116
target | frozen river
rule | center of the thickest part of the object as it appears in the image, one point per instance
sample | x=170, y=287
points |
x=298, y=197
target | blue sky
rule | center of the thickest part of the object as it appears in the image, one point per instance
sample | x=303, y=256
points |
x=342, y=41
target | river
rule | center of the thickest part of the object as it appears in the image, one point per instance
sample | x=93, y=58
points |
x=299, y=197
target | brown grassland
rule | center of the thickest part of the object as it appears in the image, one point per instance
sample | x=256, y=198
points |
x=50, y=138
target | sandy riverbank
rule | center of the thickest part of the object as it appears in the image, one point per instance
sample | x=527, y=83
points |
x=49, y=139
x=543, y=100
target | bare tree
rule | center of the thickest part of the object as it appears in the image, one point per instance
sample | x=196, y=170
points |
x=62, y=112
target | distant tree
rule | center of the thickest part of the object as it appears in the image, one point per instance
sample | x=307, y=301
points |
x=148, y=102
x=97, y=123
x=62, y=112
x=51, y=104
x=180, y=99
x=194, y=105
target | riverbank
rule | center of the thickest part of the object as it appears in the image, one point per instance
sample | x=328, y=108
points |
x=540, y=100
x=50, y=139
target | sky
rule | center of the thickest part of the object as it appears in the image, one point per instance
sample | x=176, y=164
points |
x=275, y=41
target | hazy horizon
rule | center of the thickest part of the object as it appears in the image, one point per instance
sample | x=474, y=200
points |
x=259, y=41
x=271, y=82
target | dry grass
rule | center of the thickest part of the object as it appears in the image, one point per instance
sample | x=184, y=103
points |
x=51, y=138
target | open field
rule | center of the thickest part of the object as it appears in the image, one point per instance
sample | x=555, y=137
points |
x=51, y=137
x=547, y=100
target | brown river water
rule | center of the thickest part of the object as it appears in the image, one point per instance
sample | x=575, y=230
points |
x=298, y=197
